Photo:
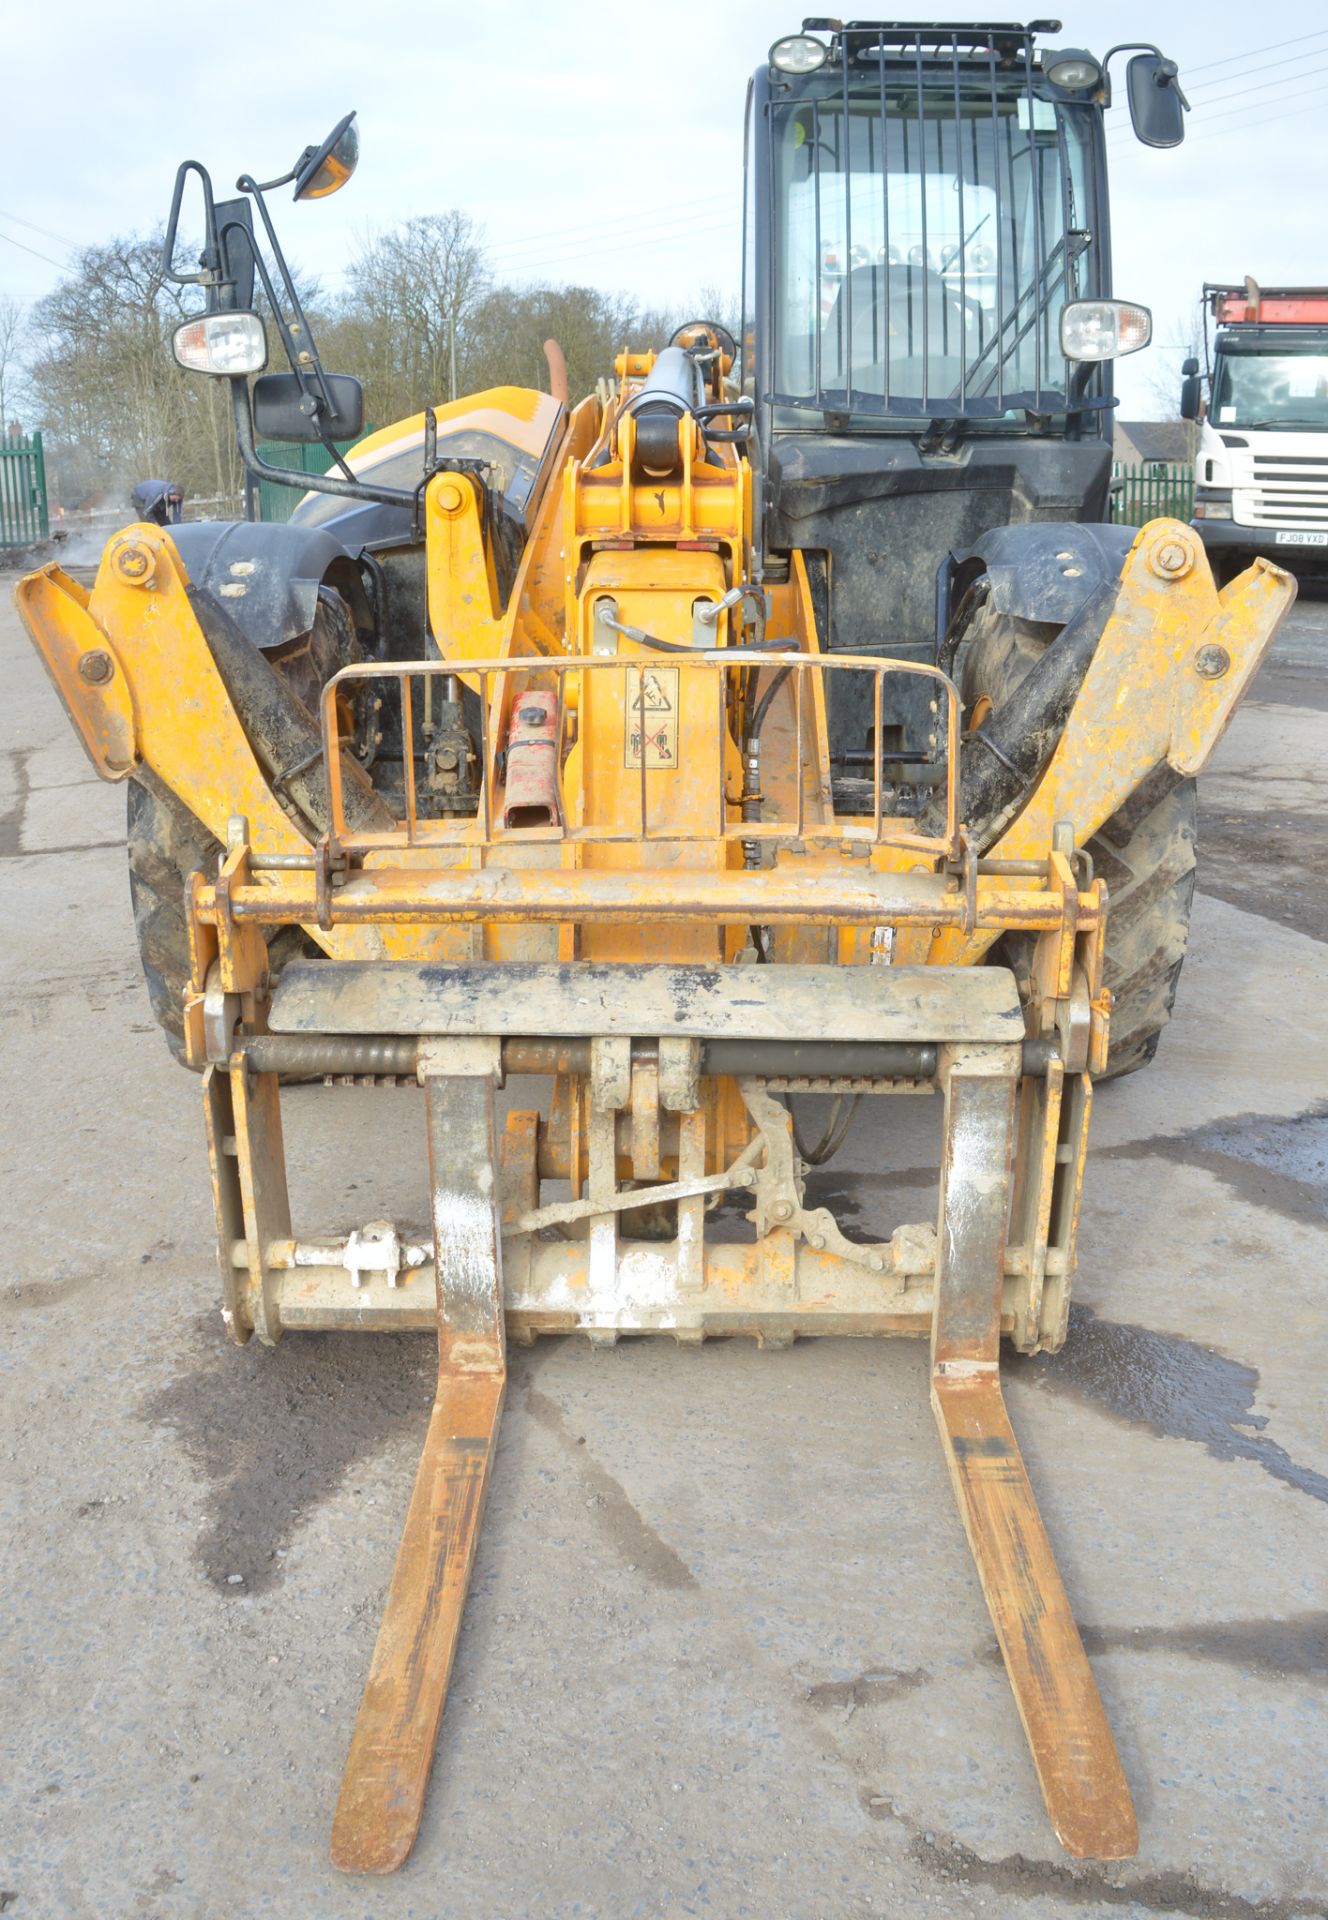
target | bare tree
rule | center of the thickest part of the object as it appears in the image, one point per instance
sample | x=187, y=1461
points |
x=511, y=325
x=420, y=321
x=411, y=298
x=12, y=329
x=104, y=380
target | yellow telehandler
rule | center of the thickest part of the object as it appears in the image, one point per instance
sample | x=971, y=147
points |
x=787, y=722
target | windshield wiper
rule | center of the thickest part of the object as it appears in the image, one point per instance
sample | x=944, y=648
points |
x=1287, y=420
x=1040, y=291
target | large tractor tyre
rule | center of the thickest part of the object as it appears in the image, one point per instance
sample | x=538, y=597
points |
x=168, y=844
x=1145, y=853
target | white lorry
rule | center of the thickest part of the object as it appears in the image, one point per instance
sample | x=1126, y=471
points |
x=1261, y=475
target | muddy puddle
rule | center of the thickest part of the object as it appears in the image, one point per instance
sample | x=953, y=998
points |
x=1174, y=1387
x=1270, y=1160
x=275, y=1431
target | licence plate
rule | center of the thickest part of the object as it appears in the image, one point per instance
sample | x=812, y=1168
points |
x=1301, y=540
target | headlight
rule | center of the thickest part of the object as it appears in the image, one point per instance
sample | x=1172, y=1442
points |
x=1104, y=329
x=799, y=53
x=1212, y=503
x=223, y=343
x=1071, y=69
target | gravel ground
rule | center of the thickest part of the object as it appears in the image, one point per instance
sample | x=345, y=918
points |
x=725, y=1653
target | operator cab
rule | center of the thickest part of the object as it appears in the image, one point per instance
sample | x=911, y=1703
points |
x=928, y=321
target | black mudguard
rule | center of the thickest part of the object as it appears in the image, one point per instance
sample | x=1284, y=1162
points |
x=266, y=576
x=1046, y=570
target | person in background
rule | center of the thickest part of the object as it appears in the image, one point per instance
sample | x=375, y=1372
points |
x=159, y=500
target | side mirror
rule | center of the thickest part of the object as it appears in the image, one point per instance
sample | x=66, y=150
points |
x=322, y=170
x=1189, y=395
x=1157, y=105
x=283, y=409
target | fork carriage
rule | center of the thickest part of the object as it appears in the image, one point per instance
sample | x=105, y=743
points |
x=665, y=1079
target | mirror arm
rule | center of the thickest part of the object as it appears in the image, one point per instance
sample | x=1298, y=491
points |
x=309, y=370
x=1138, y=46
x=210, y=262
x=1122, y=46
x=258, y=469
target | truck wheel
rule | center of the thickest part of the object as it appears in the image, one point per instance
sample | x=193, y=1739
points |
x=1145, y=853
x=167, y=846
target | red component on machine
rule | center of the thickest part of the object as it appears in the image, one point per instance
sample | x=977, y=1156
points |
x=532, y=762
x=1275, y=306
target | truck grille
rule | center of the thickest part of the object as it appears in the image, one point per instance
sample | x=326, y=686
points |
x=1290, y=490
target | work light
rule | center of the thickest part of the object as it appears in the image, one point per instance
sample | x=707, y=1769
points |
x=1104, y=329
x=799, y=53
x=223, y=343
x=1070, y=69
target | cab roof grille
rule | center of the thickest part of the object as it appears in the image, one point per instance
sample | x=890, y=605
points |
x=941, y=39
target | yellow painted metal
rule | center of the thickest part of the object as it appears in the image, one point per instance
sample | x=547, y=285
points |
x=140, y=604
x=1174, y=662
x=139, y=613
x=84, y=666
x=466, y=616
x=521, y=415
x=793, y=893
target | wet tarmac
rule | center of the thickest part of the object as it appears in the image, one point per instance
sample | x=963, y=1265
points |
x=1175, y=1388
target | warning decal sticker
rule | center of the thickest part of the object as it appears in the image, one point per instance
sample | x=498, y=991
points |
x=652, y=715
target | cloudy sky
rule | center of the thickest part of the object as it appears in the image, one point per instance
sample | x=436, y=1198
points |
x=590, y=152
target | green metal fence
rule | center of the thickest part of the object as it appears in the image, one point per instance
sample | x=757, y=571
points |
x=1143, y=493
x=277, y=501
x=23, y=515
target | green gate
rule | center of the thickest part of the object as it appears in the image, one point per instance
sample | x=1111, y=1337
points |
x=1152, y=492
x=23, y=515
x=276, y=500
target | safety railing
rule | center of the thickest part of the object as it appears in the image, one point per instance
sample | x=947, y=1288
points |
x=722, y=820
x=1157, y=491
x=23, y=513
x=276, y=500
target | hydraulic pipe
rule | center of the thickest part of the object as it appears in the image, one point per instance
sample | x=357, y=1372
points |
x=395, y=1055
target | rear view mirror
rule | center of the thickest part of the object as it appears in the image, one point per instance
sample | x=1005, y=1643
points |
x=321, y=170
x=283, y=408
x=1157, y=105
x=1189, y=395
